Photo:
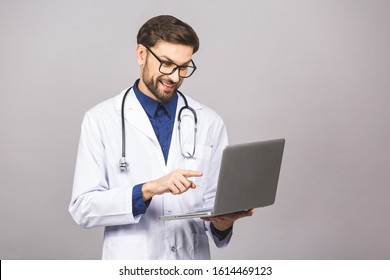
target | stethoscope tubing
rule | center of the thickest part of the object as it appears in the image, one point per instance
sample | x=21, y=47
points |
x=123, y=165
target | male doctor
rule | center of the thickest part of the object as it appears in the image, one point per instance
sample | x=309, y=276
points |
x=168, y=170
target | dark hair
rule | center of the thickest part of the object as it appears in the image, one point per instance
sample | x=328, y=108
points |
x=168, y=29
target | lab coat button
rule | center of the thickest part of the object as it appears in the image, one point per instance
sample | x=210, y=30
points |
x=173, y=249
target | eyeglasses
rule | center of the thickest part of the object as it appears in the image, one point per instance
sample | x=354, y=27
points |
x=169, y=67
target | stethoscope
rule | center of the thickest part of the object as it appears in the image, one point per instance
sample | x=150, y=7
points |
x=123, y=164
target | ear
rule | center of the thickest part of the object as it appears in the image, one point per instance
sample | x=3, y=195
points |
x=140, y=53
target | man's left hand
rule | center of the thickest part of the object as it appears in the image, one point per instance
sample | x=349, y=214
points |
x=224, y=222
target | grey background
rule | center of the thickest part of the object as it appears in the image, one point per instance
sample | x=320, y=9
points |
x=314, y=72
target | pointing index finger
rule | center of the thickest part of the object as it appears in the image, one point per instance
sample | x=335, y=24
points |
x=191, y=173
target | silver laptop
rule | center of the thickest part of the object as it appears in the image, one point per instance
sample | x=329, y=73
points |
x=248, y=178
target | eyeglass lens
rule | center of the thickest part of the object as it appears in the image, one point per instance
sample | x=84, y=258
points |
x=169, y=68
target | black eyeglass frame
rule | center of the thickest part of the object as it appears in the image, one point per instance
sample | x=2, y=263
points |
x=174, y=69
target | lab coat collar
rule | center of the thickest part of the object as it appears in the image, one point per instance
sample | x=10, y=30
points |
x=134, y=113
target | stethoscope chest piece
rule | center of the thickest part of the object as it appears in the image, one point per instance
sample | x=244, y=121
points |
x=123, y=165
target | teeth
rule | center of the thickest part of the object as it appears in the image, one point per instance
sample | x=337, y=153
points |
x=167, y=85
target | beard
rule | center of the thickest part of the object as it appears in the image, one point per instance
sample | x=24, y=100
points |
x=163, y=88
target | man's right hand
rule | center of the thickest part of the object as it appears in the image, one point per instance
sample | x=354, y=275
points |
x=176, y=182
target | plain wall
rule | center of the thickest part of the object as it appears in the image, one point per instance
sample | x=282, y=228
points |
x=314, y=72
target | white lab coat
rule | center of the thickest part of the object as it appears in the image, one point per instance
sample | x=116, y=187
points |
x=102, y=195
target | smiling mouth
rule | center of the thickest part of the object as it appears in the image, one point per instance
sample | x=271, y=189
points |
x=169, y=86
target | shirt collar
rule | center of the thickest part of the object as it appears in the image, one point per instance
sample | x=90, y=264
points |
x=150, y=105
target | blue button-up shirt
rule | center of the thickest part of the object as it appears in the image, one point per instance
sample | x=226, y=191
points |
x=161, y=116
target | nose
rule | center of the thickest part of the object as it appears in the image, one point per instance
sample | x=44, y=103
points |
x=175, y=76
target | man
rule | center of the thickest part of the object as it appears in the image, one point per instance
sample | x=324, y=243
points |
x=164, y=170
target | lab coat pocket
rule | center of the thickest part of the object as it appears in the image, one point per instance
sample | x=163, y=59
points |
x=121, y=247
x=200, y=162
x=201, y=247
